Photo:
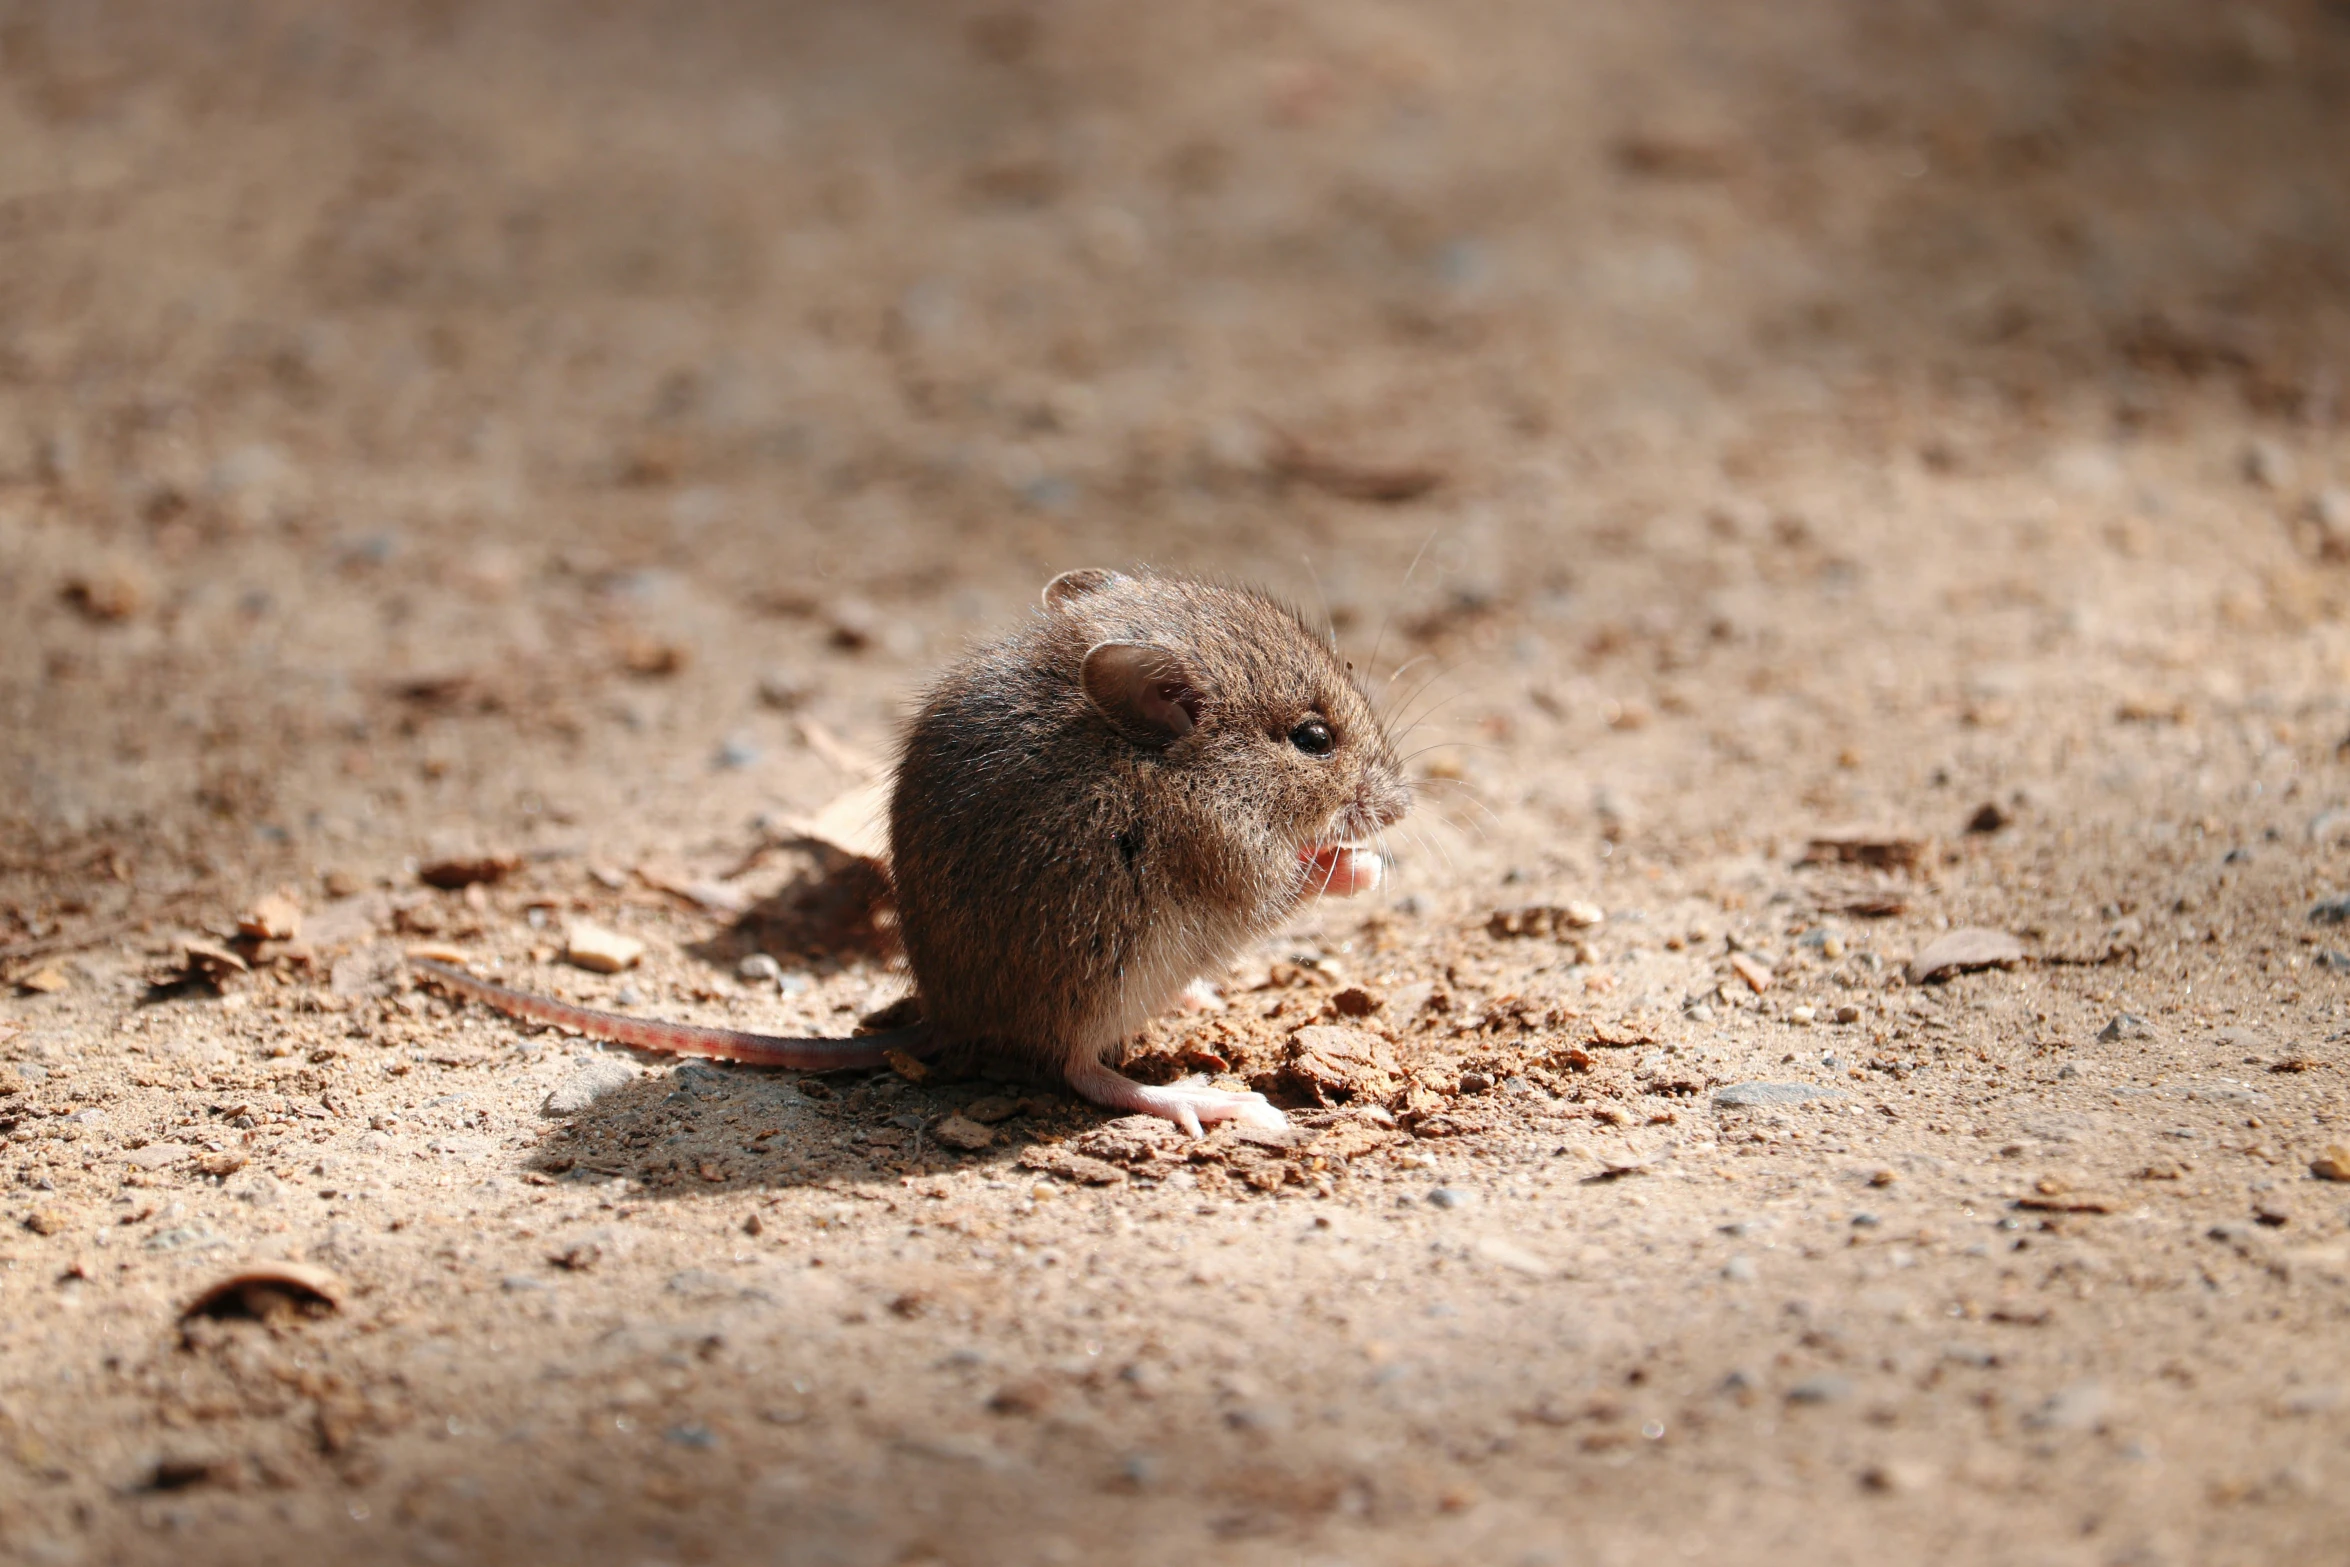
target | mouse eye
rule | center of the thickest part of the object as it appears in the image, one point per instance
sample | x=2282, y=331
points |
x=1314, y=738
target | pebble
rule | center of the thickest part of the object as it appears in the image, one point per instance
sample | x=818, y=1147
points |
x=1757, y=975
x=1825, y=1389
x=1740, y=1270
x=2080, y=1407
x=594, y=1078
x=1802, y=1017
x=46, y=1221
x=603, y=951
x=783, y=690
x=2334, y=911
x=960, y=1132
x=2267, y=464
x=1447, y=1197
x=1739, y=1096
x=2332, y=1164
x=760, y=968
x=2125, y=1025
x=736, y=753
x=1848, y=1013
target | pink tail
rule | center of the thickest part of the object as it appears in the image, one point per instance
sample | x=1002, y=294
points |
x=682, y=1039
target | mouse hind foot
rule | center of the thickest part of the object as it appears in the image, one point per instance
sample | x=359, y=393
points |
x=1191, y=1104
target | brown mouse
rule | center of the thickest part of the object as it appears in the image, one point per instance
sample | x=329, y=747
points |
x=1087, y=815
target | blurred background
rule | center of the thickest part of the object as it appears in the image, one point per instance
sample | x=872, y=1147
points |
x=430, y=420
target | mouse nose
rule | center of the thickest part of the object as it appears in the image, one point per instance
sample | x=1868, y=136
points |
x=1388, y=799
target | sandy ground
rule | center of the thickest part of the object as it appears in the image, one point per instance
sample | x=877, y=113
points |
x=563, y=438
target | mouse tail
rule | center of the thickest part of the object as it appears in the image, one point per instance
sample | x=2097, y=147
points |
x=683, y=1039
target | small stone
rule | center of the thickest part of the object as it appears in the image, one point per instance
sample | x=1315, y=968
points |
x=221, y=1165
x=2329, y=509
x=1848, y=1013
x=1032, y=1396
x=2081, y=1407
x=46, y=1221
x=43, y=982
x=759, y=968
x=1355, y=1001
x=1802, y=1017
x=1883, y=1178
x=1756, y=974
x=1896, y=1478
x=1476, y=1083
x=1582, y=916
x=2273, y=1211
x=595, y=1077
x=1825, y=1389
x=2334, y=911
x=1740, y=1270
x=961, y=1133
x=603, y=951
x=1447, y=1197
x=994, y=1108
x=735, y=753
x=2125, y=1025
x=783, y=690
x=2332, y=1164
x=2267, y=464
x=1988, y=818
x=157, y=1156
x=1744, y=1096
x=1963, y=951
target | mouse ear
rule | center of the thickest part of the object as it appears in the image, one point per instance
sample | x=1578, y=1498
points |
x=1142, y=688
x=1076, y=584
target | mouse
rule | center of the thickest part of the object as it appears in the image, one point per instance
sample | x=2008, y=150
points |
x=1087, y=814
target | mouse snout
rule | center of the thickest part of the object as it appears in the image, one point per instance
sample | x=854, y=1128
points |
x=1385, y=799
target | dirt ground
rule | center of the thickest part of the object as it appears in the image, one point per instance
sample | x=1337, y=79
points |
x=1875, y=469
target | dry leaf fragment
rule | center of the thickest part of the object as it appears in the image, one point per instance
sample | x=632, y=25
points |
x=854, y=822
x=276, y=917
x=2064, y=1202
x=1854, y=846
x=1963, y=951
x=469, y=870
x=269, y=1290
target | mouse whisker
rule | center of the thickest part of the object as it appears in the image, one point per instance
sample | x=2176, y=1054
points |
x=1388, y=619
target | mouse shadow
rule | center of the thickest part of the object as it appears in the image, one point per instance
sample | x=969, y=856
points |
x=709, y=1128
